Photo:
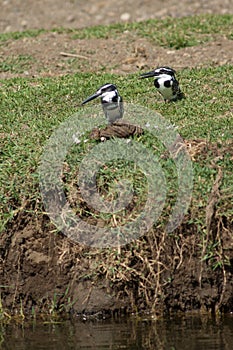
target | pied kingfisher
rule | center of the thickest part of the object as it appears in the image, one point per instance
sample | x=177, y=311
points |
x=111, y=101
x=166, y=83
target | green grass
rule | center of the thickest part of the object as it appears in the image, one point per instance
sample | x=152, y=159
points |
x=20, y=35
x=170, y=32
x=188, y=31
x=17, y=64
x=31, y=109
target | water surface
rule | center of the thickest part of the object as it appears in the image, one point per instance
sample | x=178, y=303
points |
x=175, y=333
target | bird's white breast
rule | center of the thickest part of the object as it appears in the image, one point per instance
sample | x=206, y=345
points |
x=165, y=91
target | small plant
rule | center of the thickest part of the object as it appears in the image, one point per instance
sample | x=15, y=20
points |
x=4, y=316
x=61, y=303
x=213, y=256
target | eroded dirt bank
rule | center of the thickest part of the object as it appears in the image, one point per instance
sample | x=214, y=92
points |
x=43, y=271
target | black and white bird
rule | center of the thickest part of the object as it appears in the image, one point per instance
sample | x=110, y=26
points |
x=111, y=102
x=166, y=83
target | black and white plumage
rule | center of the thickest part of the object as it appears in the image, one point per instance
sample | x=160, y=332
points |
x=111, y=101
x=166, y=83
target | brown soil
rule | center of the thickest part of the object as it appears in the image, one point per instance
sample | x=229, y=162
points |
x=44, y=270
x=17, y=15
x=127, y=54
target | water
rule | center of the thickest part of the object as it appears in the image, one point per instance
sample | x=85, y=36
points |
x=178, y=333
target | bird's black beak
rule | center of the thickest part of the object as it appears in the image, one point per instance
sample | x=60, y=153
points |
x=90, y=98
x=148, y=74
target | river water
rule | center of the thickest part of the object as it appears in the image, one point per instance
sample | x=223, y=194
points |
x=174, y=333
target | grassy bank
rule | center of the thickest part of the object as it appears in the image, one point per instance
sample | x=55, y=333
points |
x=32, y=108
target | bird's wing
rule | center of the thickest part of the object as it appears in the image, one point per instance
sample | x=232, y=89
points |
x=175, y=87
